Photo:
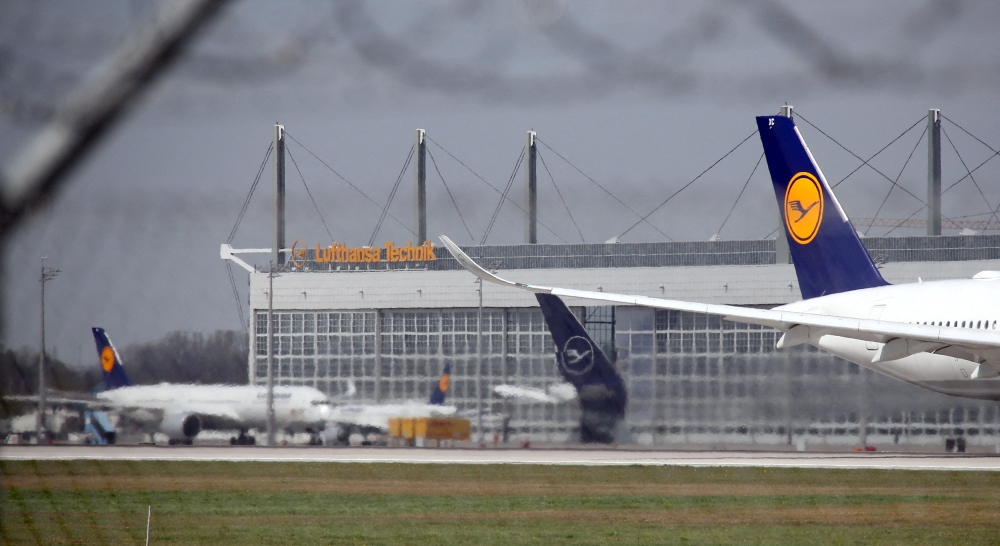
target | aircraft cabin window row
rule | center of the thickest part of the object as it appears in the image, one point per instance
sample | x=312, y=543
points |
x=975, y=324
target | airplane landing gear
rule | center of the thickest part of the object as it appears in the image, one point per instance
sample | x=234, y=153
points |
x=242, y=439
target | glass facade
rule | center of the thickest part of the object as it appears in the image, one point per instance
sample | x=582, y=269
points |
x=692, y=378
x=398, y=355
x=719, y=382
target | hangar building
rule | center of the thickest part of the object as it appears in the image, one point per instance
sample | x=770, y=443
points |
x=391, y=325
x=390, y=318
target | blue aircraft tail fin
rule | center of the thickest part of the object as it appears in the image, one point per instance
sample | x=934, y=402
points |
x=441, y=388
x=826, y=250
x=582, y=362
x=111, y=364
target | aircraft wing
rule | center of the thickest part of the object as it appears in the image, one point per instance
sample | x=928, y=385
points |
x=527, y=393
x=68, y=399
x=557, y=393
x=900, y=339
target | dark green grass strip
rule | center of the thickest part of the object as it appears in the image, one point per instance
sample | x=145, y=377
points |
x=56, y=507
x=239, y=503
x=14, y=508
x=127, y=516
x=520, y=533
x=538, y=474
x=84, y=499
x=279, y=505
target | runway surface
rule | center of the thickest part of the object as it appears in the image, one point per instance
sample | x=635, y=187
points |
x=586, y=457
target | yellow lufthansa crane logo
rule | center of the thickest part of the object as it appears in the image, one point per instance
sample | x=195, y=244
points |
x=297, y=256
x=803, y=207
x=107, y=359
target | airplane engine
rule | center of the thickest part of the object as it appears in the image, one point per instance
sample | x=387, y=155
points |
x=181, y=427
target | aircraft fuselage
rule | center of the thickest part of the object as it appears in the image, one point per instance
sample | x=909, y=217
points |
x=295, y=408
x=959, y=303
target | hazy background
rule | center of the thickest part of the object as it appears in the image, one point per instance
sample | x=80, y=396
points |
x=641, y=96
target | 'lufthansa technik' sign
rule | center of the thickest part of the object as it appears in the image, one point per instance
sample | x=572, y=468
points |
x=341, y=253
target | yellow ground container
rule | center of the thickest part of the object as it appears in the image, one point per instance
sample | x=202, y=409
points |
x=429, y=428
x=407, y=429
x=396, y=427
x=436, y=428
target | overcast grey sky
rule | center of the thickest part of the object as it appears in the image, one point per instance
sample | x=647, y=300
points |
x=641, y=96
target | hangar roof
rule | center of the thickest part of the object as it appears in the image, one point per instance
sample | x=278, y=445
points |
x=666, y=254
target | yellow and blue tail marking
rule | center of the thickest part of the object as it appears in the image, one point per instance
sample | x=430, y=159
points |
x=111, y=365
x=441, y=388
x=828, y=255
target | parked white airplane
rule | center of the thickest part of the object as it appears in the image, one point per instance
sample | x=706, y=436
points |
x=367, y=418
x=181, y=411
x=939, y=335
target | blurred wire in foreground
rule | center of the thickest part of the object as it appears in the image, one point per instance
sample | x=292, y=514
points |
x=89, y=112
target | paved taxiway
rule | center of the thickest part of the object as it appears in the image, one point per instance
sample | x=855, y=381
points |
x=588, y=457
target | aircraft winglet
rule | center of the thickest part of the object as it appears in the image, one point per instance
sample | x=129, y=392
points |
x=482, y=273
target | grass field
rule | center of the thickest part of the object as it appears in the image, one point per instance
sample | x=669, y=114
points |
x=95, y=502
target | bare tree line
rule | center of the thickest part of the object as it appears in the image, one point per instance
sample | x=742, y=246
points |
x=179, y=357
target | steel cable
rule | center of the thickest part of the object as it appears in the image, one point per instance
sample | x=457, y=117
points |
x=745, y=184
x=667, y=200
x=966, y=167
x=995, y=152
x=891, y=142
x=315, y=206
x=953, y=184
x=598, y=184
x=503, y=196
x=452, y=197
x=392, y=194
x=236, y=294
x=552, y=178
x=864, y=162
x=888, y=193
x=346, y=181
x=246, y=202
x=491, y=186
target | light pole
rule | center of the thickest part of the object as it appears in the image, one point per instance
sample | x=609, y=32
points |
x=271, y=274
x=48, y=273
x=479, y=367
